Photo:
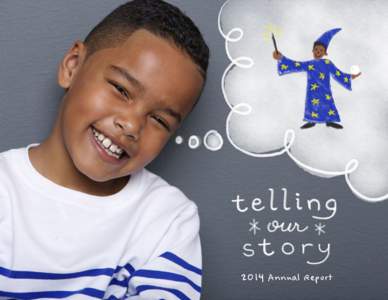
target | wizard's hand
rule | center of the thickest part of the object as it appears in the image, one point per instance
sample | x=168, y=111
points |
x=277, y=55
x=355, y=75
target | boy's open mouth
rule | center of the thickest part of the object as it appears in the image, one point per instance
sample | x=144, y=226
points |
x=106, y=144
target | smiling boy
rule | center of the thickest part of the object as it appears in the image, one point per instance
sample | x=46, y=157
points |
x=80, y=216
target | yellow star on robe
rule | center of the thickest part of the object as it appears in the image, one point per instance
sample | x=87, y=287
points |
x=338, y=73
x=331, y=112
x=315, y=101
x=284, y=67
x=297, y=64
x=328, y=97
x=346, y=79
x=327, y=61
x=311, y=67
x=314, y=86
x=321, y=76
x=314, y=115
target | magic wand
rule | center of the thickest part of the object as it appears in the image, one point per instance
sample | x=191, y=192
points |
x=274, y=43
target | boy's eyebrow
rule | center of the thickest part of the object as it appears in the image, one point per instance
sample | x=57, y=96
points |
x=137, y=83
x=127, y=76
x=173, y=113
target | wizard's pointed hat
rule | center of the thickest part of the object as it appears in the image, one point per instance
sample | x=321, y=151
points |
x=327, y=36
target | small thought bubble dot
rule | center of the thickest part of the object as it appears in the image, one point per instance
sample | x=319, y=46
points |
x=194, y=142
x=179, y=140
x=213, y=141
x=354, y=70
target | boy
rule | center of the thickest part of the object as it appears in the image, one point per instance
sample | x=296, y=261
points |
x=80, y=217
x=319, y=107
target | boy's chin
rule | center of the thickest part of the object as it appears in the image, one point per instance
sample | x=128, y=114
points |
x=96, y=172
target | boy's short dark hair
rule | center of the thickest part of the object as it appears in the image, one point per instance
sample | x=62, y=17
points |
x=156, y=16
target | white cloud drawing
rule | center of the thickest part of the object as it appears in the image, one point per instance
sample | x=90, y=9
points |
x=267, y=110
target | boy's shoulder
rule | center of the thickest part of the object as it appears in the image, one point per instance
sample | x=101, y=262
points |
x=5, y=170
x=162, y=192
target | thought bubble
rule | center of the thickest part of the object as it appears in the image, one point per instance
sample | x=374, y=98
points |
x=266, y=110
x=212, y=140
x=179, y=140
x=194, y=142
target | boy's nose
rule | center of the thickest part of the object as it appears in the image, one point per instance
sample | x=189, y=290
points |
x=130, y=126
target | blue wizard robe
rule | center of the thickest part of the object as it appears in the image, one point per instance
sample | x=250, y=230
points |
x=319, y=107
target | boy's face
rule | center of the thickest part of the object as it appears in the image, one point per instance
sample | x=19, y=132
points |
x=136, y=94
x=319, y=51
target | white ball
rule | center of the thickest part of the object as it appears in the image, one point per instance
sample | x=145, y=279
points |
x=354, y=70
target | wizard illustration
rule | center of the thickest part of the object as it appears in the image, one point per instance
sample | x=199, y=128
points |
x=319, y=107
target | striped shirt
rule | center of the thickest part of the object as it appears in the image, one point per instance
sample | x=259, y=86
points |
x=140, y=243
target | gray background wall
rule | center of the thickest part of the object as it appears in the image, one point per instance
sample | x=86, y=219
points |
x=34, y=35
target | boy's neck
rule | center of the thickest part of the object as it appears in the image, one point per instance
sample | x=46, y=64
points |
x=52, y=161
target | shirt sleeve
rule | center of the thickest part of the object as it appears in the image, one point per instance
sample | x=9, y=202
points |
x=6, y=232
x=175, y=271
x=342, y=78
x=286, y=66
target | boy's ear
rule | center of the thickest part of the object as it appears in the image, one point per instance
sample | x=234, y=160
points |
x=71, y=63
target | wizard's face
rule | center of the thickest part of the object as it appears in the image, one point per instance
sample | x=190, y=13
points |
x=319, y=51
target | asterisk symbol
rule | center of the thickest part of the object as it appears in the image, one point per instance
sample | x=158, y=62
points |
x=254, y=226
x=319, y=228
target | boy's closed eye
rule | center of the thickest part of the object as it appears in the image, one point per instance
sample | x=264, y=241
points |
x=161, y=121
x=124, y=92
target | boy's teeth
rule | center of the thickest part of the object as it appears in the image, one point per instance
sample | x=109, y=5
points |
x=107, y=143
x=113, y=148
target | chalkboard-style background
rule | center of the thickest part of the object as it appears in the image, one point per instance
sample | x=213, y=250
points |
x=34, y=35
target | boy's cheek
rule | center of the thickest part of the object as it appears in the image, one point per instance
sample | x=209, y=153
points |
x=90, y=105
x=151, y=148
